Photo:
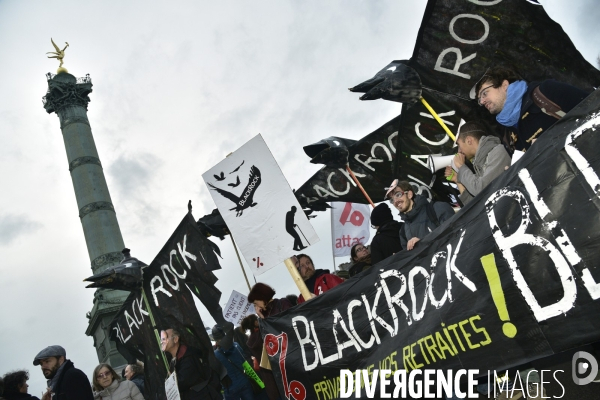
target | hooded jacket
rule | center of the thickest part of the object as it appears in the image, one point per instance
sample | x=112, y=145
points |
x=125, y=390
x=417, y=222
x=489, y=162
x=386, y=241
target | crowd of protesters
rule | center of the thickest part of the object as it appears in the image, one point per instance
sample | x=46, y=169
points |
x=525, y=109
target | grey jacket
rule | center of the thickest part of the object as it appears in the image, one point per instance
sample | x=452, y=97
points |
x=125, y=390
x=489, y=162
x=417, y=222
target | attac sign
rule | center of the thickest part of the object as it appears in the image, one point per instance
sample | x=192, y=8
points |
x=513, y=277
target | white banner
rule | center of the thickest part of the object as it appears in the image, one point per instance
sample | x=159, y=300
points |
x=350, y=224
x=259, y=206
x=237, y=308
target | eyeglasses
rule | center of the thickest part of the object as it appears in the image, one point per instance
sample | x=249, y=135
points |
x=483, y=95
x=358, y=249
x=104, y=375
x=162, y=340
x=396, y=195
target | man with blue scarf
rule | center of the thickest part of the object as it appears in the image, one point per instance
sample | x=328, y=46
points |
x=527, y=109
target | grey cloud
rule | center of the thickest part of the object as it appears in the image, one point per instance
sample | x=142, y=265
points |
x=12, y=226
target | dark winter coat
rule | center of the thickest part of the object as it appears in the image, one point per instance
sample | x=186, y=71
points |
x=320, y=282
x=489, y=162
x=386, y=241
x=19, y=396
x=532, y=118
x=72, y=384
x=138, y=379
x=233, y=361
x=195, y=379
x=417, y=222
x=360, y=266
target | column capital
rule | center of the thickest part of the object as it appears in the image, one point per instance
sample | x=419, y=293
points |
x=65, y=90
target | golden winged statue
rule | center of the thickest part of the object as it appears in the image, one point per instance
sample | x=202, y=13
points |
x=58, y=54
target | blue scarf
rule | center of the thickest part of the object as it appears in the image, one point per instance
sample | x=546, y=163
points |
x=509, y=116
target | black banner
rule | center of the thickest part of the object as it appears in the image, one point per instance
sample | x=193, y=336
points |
x=186, y=261
x=513, y=277
x=370, y=158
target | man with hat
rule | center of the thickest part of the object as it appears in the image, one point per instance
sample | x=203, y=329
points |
x=65, y=382
x=387, y=239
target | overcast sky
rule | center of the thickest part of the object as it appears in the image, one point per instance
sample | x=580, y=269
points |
x=177, y=86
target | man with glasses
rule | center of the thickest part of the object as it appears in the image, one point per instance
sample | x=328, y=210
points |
x=65, y=382
x=419, y=215
x=527, y=109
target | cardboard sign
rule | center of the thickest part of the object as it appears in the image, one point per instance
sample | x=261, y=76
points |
x=259, y=206
x=171, y=387
x=237, y=308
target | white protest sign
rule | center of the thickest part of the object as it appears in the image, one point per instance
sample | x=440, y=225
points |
x=350, y=224
x=258, y=206
x=171, y=387
x=237, y=308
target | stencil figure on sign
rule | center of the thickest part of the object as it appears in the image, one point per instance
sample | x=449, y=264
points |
x=289, y=227
x=247, y=197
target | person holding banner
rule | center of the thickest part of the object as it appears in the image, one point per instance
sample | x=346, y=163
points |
x=261, y=295
x=194, y=376
x=317, y=281
x=529, y=108
x=419, y=215
x=386, y=241
x=488, y=155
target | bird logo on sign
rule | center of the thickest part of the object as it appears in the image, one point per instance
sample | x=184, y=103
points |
x=246, y=199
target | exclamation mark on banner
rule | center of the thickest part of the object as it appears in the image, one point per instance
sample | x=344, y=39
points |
x=493, y=277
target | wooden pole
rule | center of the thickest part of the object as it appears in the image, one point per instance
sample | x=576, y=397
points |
x=297, y=279
x=359, y=185
x=240, y=260
x=438, y=119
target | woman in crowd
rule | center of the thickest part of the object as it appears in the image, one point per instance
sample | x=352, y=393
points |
x=15, y=386
x=361, y=257
x=106, y=385
x=265, y=305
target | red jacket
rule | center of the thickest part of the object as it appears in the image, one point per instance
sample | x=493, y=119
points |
x=321, y=282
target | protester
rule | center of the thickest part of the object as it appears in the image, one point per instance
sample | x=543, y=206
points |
x=105, y=382
x=135, y=373
x=233, y=360
x=261, y=295
x=488, y=155
x=240, y=337
x=317, y=281
x=195, y=379
x=361, y=259
x=65, y=382
x=518, y=104
x=292, y=298
x=386, y=241
x=16, y=387
x=419, y=215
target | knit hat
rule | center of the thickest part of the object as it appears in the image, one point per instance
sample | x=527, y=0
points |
x=381, y=214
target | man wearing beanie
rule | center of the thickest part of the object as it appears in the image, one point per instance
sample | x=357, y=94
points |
x=387, y=239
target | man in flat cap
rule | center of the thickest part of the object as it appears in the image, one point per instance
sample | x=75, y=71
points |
x=65, y=382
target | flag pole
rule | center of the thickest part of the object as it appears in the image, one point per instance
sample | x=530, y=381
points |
x=359, y=185
x=297, y=278
x=332, y=238
x=438, y=119
x=240, y=260
x=154, y=328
